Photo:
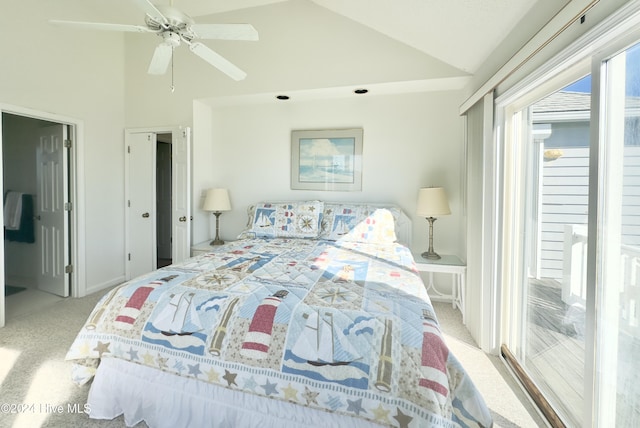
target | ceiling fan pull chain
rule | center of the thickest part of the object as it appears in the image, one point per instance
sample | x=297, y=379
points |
x=173, y=88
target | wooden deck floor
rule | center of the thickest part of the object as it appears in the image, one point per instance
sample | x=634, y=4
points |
x=555, y=357
x=555, y=349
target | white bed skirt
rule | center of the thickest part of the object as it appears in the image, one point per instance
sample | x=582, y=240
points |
x=164, y=400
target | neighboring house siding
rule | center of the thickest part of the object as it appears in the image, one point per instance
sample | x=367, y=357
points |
x=631, y=197
x=565, y=184
x=565, y=200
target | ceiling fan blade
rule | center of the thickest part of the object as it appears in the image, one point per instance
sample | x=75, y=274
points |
x=102, y=26
x=217, y=61
x=225, y=31
x=161, y=59
x=151, y=10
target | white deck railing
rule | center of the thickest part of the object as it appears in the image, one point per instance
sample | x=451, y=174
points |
x=574, y=278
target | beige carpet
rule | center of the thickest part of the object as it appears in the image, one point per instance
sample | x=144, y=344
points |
x=33, y=372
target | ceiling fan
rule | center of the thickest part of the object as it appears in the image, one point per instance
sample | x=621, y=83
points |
x=176, y=27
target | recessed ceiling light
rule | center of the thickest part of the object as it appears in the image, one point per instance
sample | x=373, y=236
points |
x=283, y=97
x=361, y=91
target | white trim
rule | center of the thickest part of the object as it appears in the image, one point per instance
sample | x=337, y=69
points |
x=490, y=244
x=389, y=88
x=105, y=285
x=76, y=194
x=616, y=25
x=563, y=19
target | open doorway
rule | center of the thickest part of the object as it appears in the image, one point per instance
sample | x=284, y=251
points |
x=163, y=200
x=37, y=202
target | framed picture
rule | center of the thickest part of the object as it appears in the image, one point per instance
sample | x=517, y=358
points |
x=326, y=160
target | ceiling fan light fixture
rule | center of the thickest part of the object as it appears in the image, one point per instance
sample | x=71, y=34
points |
x=176, y=28
x=171, y=38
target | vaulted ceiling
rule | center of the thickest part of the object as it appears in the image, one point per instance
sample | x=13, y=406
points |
x=461, y=33
x=315, y=44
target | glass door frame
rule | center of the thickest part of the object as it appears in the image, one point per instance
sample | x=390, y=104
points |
x=608, y=70
x=598, y=395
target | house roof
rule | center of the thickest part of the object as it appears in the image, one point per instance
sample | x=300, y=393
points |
x=566, y=105
x=563, y=101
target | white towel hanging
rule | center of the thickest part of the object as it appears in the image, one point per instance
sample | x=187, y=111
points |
x=12, y=210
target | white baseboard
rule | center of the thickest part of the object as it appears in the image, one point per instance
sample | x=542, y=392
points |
x=100, y=287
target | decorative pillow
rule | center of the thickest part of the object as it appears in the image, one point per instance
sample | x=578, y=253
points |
x=378, y=227
x=359, y=223
x=286, y=220
x=339, y=219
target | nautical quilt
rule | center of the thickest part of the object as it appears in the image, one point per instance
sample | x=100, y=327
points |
x=345, y=327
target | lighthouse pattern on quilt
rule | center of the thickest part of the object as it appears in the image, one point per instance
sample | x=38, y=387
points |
x=258, y=338
x=434, y=360
x=131, y=310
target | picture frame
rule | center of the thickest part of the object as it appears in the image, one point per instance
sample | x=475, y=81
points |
x=326, y=159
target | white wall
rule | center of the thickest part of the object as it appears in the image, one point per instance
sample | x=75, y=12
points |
x=410, y=141
x=78, y=75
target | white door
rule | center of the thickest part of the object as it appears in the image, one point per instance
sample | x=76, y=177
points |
x=181, y=215
x=140, y=184
x=52, y=219
x=141, y=214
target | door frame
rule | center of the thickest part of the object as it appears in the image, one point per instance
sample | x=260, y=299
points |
x=76, y=235
x=175, y=131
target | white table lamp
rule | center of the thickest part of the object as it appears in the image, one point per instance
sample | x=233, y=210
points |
x=432, y=203
x=217, y=201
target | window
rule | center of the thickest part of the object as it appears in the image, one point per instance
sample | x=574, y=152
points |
x=572, y=287
x=618, y=259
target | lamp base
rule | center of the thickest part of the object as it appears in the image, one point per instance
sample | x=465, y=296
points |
x=217, y=240
x=431, y=255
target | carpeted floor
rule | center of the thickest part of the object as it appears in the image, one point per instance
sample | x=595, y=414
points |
x=33, y=372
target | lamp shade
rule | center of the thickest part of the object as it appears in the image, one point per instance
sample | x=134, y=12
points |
x=433, y=202
x=217, y=200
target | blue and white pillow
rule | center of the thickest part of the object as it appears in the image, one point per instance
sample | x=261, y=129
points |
x=286, y=220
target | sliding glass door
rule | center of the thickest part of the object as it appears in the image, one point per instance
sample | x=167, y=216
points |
x=618, y=257
x=572, y=291
x=553, y=133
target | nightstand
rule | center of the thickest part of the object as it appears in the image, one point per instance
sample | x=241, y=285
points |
x=201, y=248
x=451, y=265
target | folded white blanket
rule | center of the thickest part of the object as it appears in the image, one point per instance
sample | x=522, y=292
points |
x=12, y=210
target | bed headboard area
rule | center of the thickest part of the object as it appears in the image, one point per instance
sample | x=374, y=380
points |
x=403, y=224
x=334, y=220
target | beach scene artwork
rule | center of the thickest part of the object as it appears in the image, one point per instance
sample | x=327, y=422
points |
x=327, y=160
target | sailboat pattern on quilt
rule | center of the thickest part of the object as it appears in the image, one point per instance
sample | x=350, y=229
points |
x=343, y=327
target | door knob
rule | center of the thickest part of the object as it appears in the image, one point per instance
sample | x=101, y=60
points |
x=183, y=219
x=145, y=215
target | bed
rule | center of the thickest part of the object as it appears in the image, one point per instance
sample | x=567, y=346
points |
x=315, y=316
